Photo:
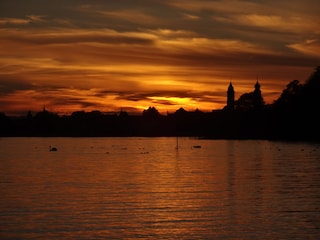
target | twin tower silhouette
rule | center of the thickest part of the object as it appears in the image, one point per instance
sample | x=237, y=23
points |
x=247, y=101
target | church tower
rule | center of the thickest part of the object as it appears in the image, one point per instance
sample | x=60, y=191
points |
x=257, y=96
x=230, y=97
x=257, y=87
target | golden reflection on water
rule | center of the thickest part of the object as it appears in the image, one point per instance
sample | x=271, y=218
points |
x=131, y=188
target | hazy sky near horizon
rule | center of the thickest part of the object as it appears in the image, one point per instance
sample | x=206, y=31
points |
x=131, y=54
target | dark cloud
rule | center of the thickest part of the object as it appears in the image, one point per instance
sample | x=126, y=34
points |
x=69, y=52
x=71, y=102
x=9, y=85
x=70, y=37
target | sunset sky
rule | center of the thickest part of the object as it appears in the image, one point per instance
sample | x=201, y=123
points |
x=131, y=54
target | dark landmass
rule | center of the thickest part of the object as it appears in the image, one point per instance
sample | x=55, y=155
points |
x=293, y=116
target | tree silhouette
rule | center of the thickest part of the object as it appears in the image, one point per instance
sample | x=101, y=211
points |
x=151, y=112
x=290, y=95
x=293, y=116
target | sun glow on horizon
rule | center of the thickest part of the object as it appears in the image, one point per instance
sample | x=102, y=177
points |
x=106, y=56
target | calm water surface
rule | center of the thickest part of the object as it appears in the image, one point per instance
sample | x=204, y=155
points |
x=143, y=188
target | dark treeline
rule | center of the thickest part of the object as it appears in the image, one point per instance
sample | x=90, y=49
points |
x=293, y=116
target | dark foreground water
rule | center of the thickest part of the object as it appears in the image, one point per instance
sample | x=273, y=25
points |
x=143, y=188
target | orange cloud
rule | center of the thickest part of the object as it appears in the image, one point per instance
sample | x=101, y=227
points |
x=15, y=21
x=277, y=23
x=21, y=21
x=131, y=15
x=309, y=47
x=182, y=55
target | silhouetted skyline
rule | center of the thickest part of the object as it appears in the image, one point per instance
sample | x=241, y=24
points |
x=107, y=55
x=293, y=116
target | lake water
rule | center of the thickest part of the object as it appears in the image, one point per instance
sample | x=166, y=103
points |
x=143, y=188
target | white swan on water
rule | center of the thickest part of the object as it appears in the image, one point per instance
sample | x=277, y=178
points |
x=52, y=149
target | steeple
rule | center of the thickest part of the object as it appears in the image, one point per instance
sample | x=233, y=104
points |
x=257, y=96
x=230, y=97
x=257, y=86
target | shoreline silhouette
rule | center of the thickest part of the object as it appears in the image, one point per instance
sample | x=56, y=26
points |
x=293, y=116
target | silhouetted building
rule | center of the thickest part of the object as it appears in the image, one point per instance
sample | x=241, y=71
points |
x=250, y=101
x=257, y=97
x=123, y=114
x=294, y=116
x=230, y=97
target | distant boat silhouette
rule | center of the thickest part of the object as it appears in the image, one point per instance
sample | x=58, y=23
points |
x=52, y=149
